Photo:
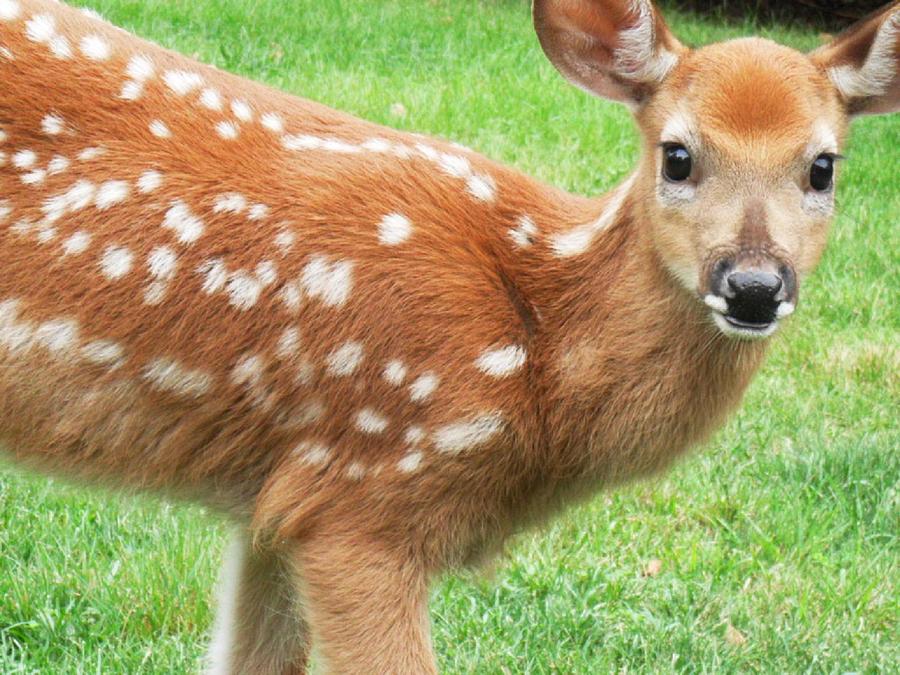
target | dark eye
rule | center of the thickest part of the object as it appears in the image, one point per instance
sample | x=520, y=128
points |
x=677, y=163
x=822, y=173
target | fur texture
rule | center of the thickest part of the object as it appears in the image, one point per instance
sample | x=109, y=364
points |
x=381, y=354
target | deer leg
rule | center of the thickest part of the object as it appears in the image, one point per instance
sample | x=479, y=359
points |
x=259, y=627
x=367, y=608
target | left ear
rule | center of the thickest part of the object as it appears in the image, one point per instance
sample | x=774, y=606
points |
x=618, y=49
x=863, y=63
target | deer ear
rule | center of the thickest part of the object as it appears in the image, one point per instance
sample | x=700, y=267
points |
x=618, y=49
x=863, y=62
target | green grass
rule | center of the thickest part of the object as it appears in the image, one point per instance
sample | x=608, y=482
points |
x=784, y=527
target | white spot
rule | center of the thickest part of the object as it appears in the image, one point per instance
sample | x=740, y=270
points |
x=339, y=146
x=414, y=435
x=116, y=262
x=716, y=302
x=291, y=295
x=14, y=334
x=370, y=422
x=140, y=68
x=288, y=344
x=92, y=13
x=314, y=454
x=356, y=471
x=110, y=193
x=162, y=262
x=455, y=165
x=131, y=90
x=149, y=181
x=40, y=28
x=376, y=145
x=91, y=153
x=5, y=209
x=182, y=82
x=95, y=47
x=185, y=224
x=266, y=272
x=53, y=124
x=46, y=234
x=22, y=226
x=273, y=122
x=579, y=239
x=59, y=46
x=257, y=212
x=3, y=136
x=423, y=387
x=104, y=353
x=284, y=240
x=242, y=110
x=243, y=290
x=77, y=243
x=57, y=336
x=80, y=195
x=168, y=375
x=481, y=187
x=230, y=202
x=159, y=129
x=523, y=235
x=211, y=99
x=395, y=373
x=34, y=177
x=344, y=360
x=227, y=130
x=459, y=436
x=57, y=165
x=330, y=282
x=9, y=10
x=301, y=142
x=24, y=159
x=427, y=151
x=215, y=275
x=501, y=361
x=784, y=309
x=410, y=463
x=394, y=229
x=248, y=370
x=5, y=53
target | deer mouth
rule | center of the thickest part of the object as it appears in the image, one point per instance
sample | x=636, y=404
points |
x=733, y=324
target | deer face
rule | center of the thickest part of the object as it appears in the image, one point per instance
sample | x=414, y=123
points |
x=737, y=180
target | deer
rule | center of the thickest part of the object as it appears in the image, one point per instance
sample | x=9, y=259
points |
x=380, y=354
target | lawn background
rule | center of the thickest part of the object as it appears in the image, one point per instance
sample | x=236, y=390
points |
x=772, y=549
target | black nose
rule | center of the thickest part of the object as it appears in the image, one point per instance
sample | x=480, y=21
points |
x=754, y=296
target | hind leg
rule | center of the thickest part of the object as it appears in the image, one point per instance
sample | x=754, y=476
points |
x=259, y=626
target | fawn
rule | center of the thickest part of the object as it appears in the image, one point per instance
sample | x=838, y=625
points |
x=381, y=354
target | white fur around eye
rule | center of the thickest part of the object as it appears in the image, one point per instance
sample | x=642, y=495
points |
x=818, y=203
x=674, y=194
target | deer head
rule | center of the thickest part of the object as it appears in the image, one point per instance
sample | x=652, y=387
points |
x=736, y=183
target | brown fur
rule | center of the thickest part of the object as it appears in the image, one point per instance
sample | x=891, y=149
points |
x=625, y=370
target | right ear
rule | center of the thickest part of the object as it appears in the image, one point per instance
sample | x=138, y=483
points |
x=863, y=63
x=618, y=49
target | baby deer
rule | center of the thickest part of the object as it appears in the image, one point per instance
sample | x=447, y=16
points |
x=379, y=353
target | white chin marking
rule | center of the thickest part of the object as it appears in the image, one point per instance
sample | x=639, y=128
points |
x=785, y=309
x=743, y=333
x=716, y=302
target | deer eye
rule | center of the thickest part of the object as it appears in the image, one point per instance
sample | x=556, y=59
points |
x=677, y=164
x=821, y=174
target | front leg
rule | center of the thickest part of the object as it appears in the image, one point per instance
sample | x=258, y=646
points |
x=367, y=607
x=260, y=628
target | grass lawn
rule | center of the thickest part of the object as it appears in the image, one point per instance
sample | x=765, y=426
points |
x=774, y=549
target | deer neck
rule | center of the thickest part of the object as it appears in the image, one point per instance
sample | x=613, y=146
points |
x=634, y=370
